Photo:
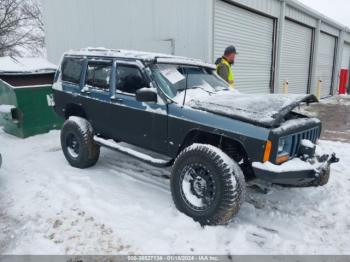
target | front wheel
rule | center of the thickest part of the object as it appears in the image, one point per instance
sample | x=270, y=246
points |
x=207, y=185
x=78, y=144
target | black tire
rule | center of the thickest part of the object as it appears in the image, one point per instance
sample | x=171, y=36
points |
x=220, y=176
x=77, y=141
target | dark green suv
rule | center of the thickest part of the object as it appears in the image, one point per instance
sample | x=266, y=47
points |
x=185, y=116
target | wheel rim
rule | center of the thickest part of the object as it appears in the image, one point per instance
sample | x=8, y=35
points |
x=73, y=146
x=197, y=186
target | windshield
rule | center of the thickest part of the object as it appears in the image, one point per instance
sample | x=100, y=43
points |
x=200, y=81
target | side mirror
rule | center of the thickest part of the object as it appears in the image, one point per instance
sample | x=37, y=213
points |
x=146, y=95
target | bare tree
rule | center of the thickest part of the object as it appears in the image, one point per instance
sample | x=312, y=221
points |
x=21, y=28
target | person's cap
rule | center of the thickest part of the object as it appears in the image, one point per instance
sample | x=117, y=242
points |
x=231, y=49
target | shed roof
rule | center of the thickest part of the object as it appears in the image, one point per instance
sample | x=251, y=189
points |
x=27, y=65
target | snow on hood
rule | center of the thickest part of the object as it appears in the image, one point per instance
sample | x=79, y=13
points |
x=25, y=65
x=265, y=110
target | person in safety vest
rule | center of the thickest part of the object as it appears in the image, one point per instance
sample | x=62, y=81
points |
x=224, y=65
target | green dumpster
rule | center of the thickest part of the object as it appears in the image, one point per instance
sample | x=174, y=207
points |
x=27, y=110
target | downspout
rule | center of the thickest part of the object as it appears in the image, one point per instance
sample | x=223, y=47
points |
x=280, y=30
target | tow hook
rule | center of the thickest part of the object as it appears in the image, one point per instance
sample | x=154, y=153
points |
x=334, y=159
x=328, y=160
x=323, y=172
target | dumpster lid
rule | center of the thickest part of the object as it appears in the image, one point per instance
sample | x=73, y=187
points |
x=25, y=65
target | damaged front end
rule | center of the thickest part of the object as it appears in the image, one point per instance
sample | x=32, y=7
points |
x=292, y=158
x=303, y=171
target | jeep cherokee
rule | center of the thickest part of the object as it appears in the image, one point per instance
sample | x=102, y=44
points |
x=179, y=109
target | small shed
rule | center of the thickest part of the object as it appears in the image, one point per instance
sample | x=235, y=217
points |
x=26, y=104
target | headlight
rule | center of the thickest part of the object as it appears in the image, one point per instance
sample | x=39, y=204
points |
x=282, y=145
x=283, y=149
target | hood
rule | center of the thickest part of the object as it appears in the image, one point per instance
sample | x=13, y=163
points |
x=263, y=110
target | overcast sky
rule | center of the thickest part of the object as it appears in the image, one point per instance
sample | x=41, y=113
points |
x=339, y=10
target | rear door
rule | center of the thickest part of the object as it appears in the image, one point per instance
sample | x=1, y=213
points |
x=137, y=123
x=96, y=94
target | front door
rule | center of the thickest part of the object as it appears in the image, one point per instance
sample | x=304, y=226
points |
x=137, y=123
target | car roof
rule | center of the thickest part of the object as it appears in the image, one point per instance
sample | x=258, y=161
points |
x=137, y=55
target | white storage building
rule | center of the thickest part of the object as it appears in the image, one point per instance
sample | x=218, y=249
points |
x=278, y=40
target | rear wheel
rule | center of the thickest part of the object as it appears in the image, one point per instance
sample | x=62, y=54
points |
x=78, y=144
x=207, y=185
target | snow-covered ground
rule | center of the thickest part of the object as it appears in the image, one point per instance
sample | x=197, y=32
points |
x=122, y=206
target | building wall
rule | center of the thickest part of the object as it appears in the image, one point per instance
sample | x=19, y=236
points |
x=180, y=27
x=166, y=26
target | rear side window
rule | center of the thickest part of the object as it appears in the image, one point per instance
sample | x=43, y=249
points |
x=99, y=75
x=72, y=69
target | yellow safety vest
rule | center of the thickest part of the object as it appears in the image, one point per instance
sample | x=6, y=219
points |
x=231, y=77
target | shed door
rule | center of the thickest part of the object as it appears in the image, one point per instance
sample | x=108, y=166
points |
x=296, y=57
x=325, y=63
x=345, y=64
x=252, y=35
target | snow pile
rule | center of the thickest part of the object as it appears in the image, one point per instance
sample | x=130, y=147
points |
x=25, y=65
x=295, y=164
x=307, y=143
x=263, y=109
x=123, y=206
x=337, y=100
x=6, y=109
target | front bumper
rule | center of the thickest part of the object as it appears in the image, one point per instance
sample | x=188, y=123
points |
x=297, y=172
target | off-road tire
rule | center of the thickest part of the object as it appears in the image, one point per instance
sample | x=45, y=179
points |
x=89, y=151
x=230, y=187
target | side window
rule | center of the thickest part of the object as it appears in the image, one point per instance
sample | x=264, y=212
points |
x=99, y=75
x=72, y=69
x=129, y=79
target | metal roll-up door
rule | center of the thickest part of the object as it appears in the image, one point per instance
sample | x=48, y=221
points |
x=345, y=63
x=253, y=36
x=296, y=57
x=325, y=64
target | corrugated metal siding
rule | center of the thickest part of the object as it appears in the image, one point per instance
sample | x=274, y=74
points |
x=300, y=16
x=137, y=24
x=295, y=57
x=329, y=29
x=252, y=34
x=270, y=7
x=325, y=63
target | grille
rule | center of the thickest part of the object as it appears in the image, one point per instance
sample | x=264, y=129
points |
x=312, y=135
